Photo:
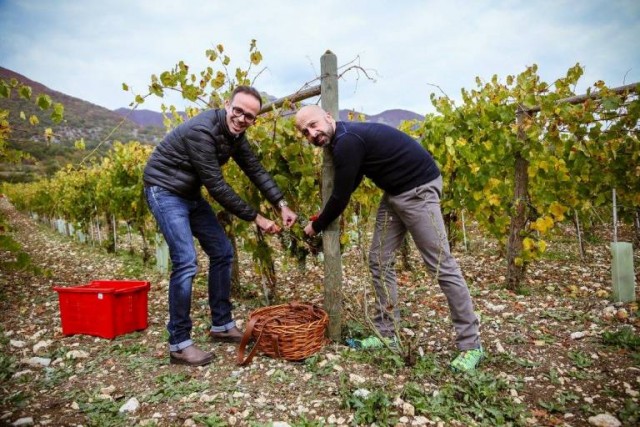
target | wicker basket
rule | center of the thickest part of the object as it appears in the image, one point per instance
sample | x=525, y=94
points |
x=291, y=331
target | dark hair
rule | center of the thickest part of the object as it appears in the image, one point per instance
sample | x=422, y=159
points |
x=249, y=90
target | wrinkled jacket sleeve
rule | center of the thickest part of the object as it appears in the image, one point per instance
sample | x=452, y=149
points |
x=251, y=166
x=202, y=152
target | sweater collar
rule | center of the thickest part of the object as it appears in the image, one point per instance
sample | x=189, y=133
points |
x=340, y=130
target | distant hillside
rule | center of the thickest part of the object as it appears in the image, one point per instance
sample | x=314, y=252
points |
x=82, y=119
x=141, y=117
x=389, y=117
x=94, y=124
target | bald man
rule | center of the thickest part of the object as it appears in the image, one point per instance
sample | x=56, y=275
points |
x=412, y=186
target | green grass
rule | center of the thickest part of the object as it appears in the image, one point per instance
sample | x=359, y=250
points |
x=630, y=413
x=580, y=359
x=8, y=244
x=304, y=422
x=174, y=386
x=625, y=338
x=22, y=261
x=211, y=420
x=560, y=402
x=102, y=412
x=375, y=407
x=8, y=366
x=385, y=360
x=477, y=398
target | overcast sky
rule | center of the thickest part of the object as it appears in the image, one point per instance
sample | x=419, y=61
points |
x=88, y=48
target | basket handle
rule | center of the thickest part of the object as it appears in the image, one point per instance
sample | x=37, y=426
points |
x=308, y=307
x=240, y=360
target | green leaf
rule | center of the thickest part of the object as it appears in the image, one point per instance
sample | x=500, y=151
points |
x=611, y=103
x=44, y=101
x=211, y=54
x=218, y=82
x=5, y=90
x=156, y=89
x=25, y=92
x=58, y=112
x=168, y=79
x=190, y=93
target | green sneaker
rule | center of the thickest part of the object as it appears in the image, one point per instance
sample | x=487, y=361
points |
x=371, y=343
x=468, y=360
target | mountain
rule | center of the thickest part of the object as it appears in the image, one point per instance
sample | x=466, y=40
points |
x=82, y=119
x=141, y=117
x=96, y=126
x=389, y=117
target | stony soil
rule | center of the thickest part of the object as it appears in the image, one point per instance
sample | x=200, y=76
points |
x=549, y=363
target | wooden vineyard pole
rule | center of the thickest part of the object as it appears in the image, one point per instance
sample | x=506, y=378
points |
x=331, y=235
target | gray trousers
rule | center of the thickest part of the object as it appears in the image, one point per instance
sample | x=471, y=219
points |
x=418, y=212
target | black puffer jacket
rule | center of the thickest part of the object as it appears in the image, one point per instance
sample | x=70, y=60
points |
x=193, y=154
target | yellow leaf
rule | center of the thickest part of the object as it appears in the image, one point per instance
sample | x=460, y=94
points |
x=256, y=57
x=542, y=224
x=493, y=182
x=544, y=165
x=218, y=82
x=494, y=200
x=557, y=210
x=48, y=134
x=528, y=244
x=542, y=246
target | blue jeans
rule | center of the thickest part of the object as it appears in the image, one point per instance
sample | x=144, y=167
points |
x=180, y=220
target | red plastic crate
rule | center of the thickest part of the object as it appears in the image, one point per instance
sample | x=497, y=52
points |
x=104, y=308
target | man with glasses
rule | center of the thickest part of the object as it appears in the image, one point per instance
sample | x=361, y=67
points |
x=412, y=186
x=189, y=157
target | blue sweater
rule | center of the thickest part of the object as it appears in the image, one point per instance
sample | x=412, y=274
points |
x=393, y=160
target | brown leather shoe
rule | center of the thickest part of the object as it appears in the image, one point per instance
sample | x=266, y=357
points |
x=233, y=335
x=190, y=356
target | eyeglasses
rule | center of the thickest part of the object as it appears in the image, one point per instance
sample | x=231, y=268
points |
x=237, y=112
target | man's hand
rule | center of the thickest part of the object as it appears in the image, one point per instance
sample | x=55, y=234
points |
x=288, y=216
x=267, y=225
x=309, y=231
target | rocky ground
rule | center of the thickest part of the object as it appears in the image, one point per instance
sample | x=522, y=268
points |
x=561, y=355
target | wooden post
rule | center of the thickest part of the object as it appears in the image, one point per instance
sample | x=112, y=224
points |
x=331, y=235
x=515, y=272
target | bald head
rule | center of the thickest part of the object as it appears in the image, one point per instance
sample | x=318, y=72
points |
x=316, y=125
x=308, y=111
